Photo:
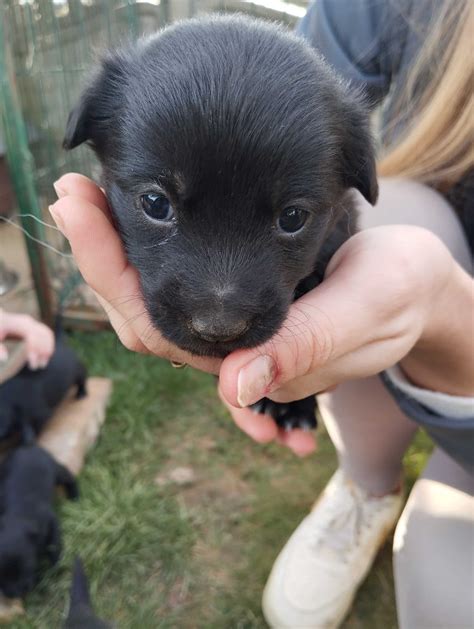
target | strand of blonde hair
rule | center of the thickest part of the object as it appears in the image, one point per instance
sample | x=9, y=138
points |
x=438, y=147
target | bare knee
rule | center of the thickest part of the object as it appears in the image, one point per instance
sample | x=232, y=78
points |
x=402, y=201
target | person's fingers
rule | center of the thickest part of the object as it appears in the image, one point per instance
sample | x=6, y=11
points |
x=101, y=259
x=97, y=249
x=299, y=441
x=259, y=427
x=3, y=353
x=303, y=344
x=125, y=332
x=352, y=308
x=151, y=342
x=33, y=361
x=263, y=429
x=40, y=343
x=75, y=185
x=83, y=217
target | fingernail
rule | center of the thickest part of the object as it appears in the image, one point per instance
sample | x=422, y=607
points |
x=3, y=354
x=33, y=363
x=254, y=380
x=58, y=219
x=60, y=192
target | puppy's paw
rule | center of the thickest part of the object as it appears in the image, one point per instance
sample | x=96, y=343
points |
x=298, y=414
x=288, y=421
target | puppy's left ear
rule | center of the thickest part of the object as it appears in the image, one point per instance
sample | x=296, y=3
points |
x=359, y=167
x=92, y=118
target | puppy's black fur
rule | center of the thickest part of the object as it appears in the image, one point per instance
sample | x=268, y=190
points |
x=81, y=614
x=29, y=529
x=28, y=400
x=233, y=120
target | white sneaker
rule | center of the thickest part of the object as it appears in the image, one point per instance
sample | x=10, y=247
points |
x=315, y=577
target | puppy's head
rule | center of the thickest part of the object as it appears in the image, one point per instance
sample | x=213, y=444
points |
x=227, y=148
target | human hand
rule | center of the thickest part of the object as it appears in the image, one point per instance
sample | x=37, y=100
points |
x=383, y=293
x=369, y=312
x=83, y=216
x=38, y=338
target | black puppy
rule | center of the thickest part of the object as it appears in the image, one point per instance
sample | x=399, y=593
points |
x=81, y=614
x=28, y=400
x=228, y=149
x=29, y=529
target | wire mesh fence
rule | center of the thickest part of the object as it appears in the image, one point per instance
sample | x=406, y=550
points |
x=47, y=48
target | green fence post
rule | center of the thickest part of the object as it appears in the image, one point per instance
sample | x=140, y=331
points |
x=22, y=166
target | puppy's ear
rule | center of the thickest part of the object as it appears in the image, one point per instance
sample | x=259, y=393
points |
x=92, y=117
x=359, y=168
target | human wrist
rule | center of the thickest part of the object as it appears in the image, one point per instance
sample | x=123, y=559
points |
x=442, y=358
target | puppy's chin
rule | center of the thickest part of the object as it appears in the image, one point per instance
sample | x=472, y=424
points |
x=178, y=333
x=200, y=347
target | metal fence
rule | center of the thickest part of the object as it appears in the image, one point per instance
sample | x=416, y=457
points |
x=46, y=50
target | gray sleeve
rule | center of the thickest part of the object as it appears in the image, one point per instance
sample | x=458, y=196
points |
x=455, y=406
x=454, y=435
x=350, y=34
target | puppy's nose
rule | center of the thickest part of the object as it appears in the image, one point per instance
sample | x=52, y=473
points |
x=214, y=330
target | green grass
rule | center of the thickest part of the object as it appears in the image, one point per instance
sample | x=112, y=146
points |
x=162, y=556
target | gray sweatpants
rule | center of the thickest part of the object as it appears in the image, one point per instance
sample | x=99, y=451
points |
x=434, y=539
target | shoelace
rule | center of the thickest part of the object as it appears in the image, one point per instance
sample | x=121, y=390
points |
x=340, y=527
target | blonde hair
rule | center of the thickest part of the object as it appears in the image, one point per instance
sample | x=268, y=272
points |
x=438, y=146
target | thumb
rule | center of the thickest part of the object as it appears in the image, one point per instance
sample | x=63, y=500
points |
x=303, y=344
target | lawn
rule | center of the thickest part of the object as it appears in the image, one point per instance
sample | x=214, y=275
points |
x=161, y=554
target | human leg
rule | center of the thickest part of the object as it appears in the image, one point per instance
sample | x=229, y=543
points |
x=316, y=575
x=433, y=549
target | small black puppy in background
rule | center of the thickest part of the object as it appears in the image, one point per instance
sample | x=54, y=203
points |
x=29, y=529
x=29, y=399
x=81, y=614
x=229, y=149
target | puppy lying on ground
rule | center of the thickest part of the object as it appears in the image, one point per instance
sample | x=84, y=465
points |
x=28, y=400
x=228, y=150
x=29, y=529
x=81, y=614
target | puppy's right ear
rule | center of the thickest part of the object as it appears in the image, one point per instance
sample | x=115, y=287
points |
x=91, y=119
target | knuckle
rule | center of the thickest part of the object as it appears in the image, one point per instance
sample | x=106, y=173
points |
x=309, y=343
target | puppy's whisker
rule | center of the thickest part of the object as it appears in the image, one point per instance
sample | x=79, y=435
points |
x=131, y=320
x=161, y=243
x=149, y=331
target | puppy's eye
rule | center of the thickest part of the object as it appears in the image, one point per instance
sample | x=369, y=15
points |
x=157, y=206
x=291, y=220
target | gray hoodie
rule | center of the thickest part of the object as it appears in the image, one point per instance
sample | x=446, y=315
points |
x=372, y=44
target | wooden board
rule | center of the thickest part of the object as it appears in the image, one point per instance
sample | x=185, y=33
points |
x=76, y=424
